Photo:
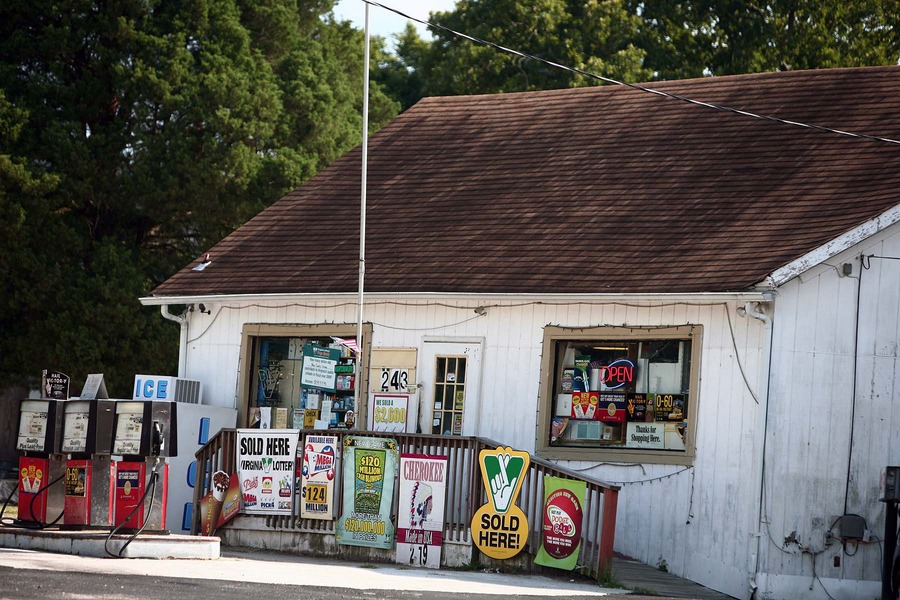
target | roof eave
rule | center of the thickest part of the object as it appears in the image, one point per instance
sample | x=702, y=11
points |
x=697, y=297
x=832, y=248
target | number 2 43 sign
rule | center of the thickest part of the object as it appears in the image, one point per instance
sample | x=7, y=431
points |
x=394, y=380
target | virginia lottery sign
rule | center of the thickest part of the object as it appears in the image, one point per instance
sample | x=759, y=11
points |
x=265, y=464
x=500, y=528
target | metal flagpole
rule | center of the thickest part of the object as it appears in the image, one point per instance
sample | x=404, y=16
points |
x=362, y=230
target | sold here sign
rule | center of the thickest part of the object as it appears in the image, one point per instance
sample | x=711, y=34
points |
x=500, y=528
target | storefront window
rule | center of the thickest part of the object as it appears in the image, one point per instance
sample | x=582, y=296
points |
x=620, y=390
x=300, y=376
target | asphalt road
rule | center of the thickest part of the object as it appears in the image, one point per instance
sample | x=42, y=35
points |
x=26, y=584
x=28, y=574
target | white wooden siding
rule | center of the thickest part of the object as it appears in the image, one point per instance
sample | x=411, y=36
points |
x=698, y=520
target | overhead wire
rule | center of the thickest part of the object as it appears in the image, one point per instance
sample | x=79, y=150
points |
x=635, y=86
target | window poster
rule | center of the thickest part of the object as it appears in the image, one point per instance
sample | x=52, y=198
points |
x=389, y=412
x=584, y=405
x=612, y=408
x=369, y=468
x=316, y=483
x=420, y=518
x=318, y=367
x=561, y=528
x=265, y=461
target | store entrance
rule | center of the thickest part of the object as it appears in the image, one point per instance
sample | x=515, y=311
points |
x=451, y=378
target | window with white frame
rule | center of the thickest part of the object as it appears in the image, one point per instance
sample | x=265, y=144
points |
x=626, y=393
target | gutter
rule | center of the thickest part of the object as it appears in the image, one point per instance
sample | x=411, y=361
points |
x=752, y=310
x=699, y=297
x=182, y=342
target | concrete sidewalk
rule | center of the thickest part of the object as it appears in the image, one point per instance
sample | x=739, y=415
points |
x=84, y=552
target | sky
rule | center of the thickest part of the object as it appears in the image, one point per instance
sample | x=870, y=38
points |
x=385, y=23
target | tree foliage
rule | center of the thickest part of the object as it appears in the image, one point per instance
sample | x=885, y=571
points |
x=635, y=40
x=136, y=134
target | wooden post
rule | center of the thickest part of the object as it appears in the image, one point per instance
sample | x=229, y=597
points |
x=608, y=533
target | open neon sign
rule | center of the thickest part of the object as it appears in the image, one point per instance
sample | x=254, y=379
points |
x=617, y=374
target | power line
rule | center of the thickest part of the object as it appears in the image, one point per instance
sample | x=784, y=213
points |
x=638, y=87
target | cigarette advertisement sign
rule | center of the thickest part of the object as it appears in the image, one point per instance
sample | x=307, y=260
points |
x=500, y=528
x=563, y=517
x=420, y=518
x=369, y=468
x=317, y=477
x=265, y=461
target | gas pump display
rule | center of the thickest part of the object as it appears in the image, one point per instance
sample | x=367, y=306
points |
x=75, y=427
x=33, y=428
x=129, y=428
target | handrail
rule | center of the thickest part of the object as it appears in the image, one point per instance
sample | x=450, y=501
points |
x=465, y=492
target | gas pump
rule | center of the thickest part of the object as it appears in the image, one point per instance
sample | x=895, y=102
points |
x=87, y=439
x=145, y=434
x=41, y=466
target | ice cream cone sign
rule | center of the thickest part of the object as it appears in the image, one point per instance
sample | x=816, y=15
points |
x=211, y=507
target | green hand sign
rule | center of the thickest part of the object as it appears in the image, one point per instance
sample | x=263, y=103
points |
x=503, y=472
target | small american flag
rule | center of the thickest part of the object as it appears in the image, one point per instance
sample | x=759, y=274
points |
x=348, y=342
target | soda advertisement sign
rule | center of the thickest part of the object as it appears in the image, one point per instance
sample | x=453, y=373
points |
x=563, y=518
x=316, y=485
x=369, y=468
x=500, y=527
x=420, y=518
x=265, y=462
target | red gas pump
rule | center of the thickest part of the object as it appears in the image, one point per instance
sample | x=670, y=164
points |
x=87, y=438
x=145, y=434
x=41, y=465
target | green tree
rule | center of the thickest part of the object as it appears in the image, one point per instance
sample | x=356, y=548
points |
x=721, y=37
x=596, y=36
x=136, y=134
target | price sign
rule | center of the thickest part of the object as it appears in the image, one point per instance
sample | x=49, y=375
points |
x=316, y=493
x=389, y=412
x=394, y=380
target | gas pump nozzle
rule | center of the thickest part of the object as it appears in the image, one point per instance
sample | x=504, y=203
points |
x=158, y=442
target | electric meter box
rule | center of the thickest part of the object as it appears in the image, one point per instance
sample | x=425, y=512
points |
x=40, y=426
x=88, y=426
x=145, y=428
x=890, y=484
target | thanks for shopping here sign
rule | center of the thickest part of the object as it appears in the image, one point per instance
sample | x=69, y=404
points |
x=500, y=527
x=369, y=467
x=265, y=465
x=563, y=516
x=420, y=515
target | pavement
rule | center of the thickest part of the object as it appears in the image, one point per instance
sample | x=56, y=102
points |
x=271, y=567
x=202, y=558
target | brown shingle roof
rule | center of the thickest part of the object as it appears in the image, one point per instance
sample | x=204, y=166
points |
x=603, y=189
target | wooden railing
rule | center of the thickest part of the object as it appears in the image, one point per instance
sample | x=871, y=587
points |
x=465, y=492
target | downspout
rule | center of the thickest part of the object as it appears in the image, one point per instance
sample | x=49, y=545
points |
x=752, y=309
x=182, y=342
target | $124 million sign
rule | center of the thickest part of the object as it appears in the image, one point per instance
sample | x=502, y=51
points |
x=500, y=527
